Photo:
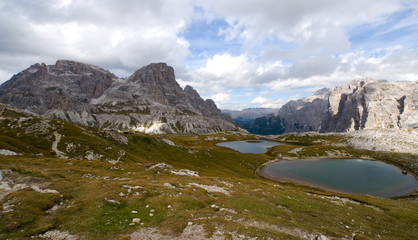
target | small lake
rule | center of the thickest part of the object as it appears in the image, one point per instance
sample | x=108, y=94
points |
x=250, y=146
x=356, y=176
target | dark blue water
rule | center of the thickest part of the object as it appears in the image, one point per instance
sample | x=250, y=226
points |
x=356, y=176
x=250, y=146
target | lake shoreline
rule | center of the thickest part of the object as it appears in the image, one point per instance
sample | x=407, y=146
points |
x=401, y=192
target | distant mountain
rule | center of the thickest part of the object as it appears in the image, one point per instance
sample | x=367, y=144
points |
x=359, y=104
x=150, y=100
x=249, y=114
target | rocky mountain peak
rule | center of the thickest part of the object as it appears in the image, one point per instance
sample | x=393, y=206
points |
x=206, y=107
x=354, y=85
x=362, y=103
x=158, y=81
x=323, y=92
x=155, y=73
x=67, y=84
x=190, y=91
x=150, y=100
x=74, y=67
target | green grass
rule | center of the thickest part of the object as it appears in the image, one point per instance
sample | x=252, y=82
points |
x=27, y=217
x=96, y=202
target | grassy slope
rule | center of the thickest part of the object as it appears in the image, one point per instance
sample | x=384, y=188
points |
x=95, y=200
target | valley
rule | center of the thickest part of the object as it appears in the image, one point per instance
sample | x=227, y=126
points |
x=81, y=182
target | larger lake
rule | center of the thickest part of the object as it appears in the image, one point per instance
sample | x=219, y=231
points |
x=356, y=176
x=250, y=146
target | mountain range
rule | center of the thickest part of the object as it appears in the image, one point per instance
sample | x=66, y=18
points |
x=88, y=180
x=248, y=114
x=361, y=104
x=149, y=101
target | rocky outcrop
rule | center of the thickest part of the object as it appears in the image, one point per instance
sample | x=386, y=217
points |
x=301, y=115
x=360, y=104
x=157, y=81
x=149, y=101
x=206, y=107
x=370, y=104
x=65, y=85
x=390, y=140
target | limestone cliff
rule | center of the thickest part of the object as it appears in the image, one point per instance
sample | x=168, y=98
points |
x=301, y=115
x=150, y=100
x=65, y=85
x=371, y=104
x=360, y=104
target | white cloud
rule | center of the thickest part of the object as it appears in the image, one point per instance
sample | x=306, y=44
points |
x=223, y=72
x=266, y=103
x=120, y=36
x=288, y=20
x=226, y=65
x=222, y=100
x=259, y=100
x=312, y=38
x=278, y=45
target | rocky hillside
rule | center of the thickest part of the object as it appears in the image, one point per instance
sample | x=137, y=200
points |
x=149, y=101
x=357, y=105
x=81, y=182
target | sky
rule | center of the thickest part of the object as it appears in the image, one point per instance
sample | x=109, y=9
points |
x=240, y=53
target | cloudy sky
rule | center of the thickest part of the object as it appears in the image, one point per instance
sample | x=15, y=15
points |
x=240, y=53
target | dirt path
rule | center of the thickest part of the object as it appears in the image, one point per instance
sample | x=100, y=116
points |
x=55, y=145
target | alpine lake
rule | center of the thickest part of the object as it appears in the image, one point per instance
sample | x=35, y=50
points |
x=356, y=176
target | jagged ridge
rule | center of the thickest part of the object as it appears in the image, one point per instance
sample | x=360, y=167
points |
x=150, y=100
x=357, y=105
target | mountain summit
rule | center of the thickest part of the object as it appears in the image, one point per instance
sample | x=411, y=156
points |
x=360, y=104
x=150, y=100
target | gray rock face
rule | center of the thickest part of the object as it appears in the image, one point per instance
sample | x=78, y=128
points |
x=149, y=101
x=157, y=80
x=63, y=85
x=370, y=104
x=393, y=140
x=357, y=105
x=301, y=115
